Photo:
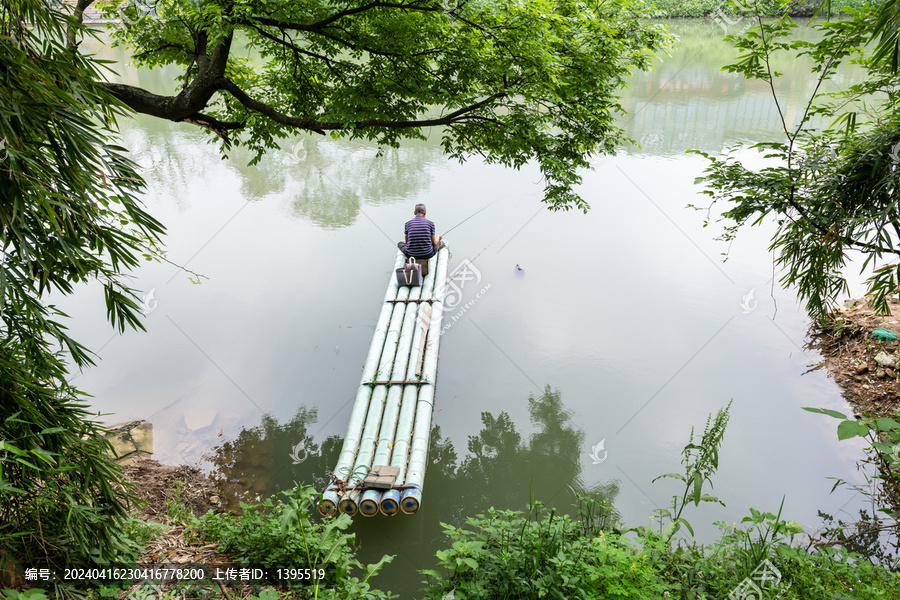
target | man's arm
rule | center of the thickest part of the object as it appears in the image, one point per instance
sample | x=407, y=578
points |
x=435, y=239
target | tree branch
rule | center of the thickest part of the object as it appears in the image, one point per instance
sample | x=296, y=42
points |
x=78, y=14
x=220, y=128
x=318, y=26
x=289, y=44
x=322, y=126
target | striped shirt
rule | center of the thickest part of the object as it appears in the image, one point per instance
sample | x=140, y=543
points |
x=419, y=243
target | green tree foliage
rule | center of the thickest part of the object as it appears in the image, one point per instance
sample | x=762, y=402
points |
x=511, y=81
x=886, y=29
x=68, y=215
x=831, y=183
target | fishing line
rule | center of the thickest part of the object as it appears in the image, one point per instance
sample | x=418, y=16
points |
x=472, y=215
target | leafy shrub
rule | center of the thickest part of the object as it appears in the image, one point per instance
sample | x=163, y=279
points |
x=714, y=572
x=281, y=533
x=544, y=555
x=875, y=536
x=834, y=574
x=509, y=554
x=33, y=594
x=686, y=8
x=61, y=498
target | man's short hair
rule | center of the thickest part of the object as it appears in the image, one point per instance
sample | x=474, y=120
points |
x=420, y=209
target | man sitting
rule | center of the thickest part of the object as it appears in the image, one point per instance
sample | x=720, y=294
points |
x=420, y=240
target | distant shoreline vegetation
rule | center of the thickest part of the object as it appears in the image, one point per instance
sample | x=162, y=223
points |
x=706, y=8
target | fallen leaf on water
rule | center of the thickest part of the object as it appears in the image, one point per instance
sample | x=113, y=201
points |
x=346, y=326
x=315, y=346
x=221, y=431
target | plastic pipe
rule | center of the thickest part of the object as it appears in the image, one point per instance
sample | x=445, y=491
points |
x=411, y=498
x=369, y=502
x=389, y=503
x=363, y=464
x=364, y=393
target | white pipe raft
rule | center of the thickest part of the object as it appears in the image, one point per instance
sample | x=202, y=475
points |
x=349, y=503
x=390, y=499
x=394, y=413
x=403, y=369
x=328, y=506
x=368, y=504
x=411, y=498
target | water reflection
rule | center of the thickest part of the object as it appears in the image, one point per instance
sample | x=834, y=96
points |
x=689, y=102
x=325, y=181
x=270, y=457
x=503, y=468
x=330, y=181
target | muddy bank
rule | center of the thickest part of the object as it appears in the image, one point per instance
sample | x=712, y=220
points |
x=155, y=483
x=168, y=494
x=866, y=367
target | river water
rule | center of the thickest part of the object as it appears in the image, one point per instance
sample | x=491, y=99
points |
x=594, y=345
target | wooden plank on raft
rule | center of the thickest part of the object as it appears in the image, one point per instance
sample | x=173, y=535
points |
x=381, y=477
x=424, y=323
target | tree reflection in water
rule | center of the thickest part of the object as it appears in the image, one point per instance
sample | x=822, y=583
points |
x=502, y=469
